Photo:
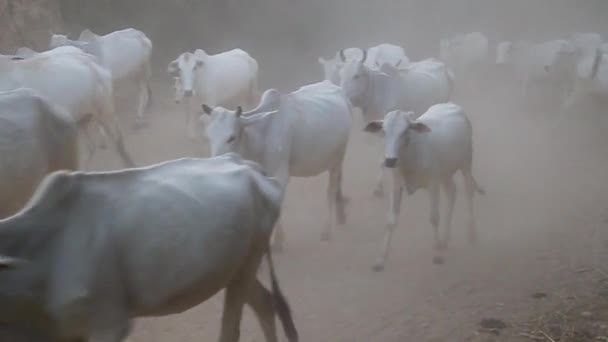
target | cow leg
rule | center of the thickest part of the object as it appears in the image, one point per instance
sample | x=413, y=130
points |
x=278, y=236
x=470, y=187
x=568, y=103
x=392, y=218
x=434, y=198
x=333, y=193
x=142, y=103
x=450, y=191
x=379, y=190
x=261, y=301
x=119, y=143
x=238, y=292
x=341, y=202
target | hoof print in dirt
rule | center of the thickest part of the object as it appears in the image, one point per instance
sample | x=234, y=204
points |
x=539, y=295
x=438, y=260
x=378, y=268
x=492, y=325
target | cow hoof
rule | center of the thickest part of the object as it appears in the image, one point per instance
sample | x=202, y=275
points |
x=379, y=192
x=325, y=236
x=378, y=268
x=438, y=260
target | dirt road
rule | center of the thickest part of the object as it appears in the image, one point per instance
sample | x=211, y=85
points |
x=541, y=222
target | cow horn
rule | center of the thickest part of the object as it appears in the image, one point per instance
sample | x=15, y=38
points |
x=239, y=111
x=596, y=62
x=398, y=63
x=342, y=57
x=364, y=52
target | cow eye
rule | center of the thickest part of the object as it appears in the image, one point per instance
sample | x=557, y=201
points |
x=231, y=139
x=356, y=77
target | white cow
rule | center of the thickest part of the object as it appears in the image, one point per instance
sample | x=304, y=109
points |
x=550, y=62
x=419, y=86
x=226, y=79
x=591, y=78
x=467, y=55
x=375, y=58
x=301, y=134
x=126, y=53
x=93, y=250
x=426, y=153
x=73, y=79
x=36, y=138
x=587, y=42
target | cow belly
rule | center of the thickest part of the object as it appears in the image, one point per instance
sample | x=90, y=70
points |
x=180, y=260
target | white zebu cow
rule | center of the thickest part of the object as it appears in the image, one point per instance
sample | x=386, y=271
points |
x=73, y=79
x=587, y=42
x=36, y=138
x=301, y=134
x=467, y=55
x=591, y=78
x=376, y=57
x=419, y=86
x=226, y=79
x=126, y=53
x=426, y=153
x=93, y=250
x=550, y=62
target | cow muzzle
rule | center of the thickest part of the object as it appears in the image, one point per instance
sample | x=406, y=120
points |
x=187, y=93
x=391, y=163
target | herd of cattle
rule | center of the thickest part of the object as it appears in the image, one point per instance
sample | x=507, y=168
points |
x=79, y=260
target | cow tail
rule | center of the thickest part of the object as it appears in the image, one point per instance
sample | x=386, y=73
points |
x=596, y=62
x=280, y=303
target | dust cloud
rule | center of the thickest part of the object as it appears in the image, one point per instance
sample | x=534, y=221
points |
x=546, y=188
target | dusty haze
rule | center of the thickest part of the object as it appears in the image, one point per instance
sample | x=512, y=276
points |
x=542, y=222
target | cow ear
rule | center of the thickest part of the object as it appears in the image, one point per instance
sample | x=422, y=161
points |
x=173, y=69
x=419, y=127
x=374, y=126
x=322, y=61
x=207, y=110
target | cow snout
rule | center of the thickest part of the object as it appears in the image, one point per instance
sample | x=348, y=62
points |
x=390, y=162
x=187, y=93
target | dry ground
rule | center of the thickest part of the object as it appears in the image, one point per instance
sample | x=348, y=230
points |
x=542, y=249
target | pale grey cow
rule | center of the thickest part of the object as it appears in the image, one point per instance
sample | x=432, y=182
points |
x=36, y=138
x=425, y=153
x=93, y=250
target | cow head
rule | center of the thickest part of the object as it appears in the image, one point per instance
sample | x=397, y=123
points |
x=355, y=79
x=331, y=69
x=223, y=129
x=396, y=126
x=186, y=67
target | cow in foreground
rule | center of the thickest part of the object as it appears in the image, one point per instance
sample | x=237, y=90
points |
x=425, y=153
x=227, y=79
x=93, y=250
x=301, y=134
x=36, y=138
x=377, y=92
x=126, y=53
x=84, y=89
